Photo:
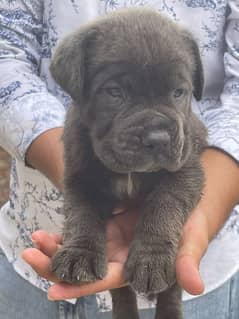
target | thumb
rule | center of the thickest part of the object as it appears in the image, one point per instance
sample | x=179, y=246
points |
x=193, y=246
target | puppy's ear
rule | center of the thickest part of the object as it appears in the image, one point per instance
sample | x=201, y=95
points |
x=68, y=65
x=198, y=76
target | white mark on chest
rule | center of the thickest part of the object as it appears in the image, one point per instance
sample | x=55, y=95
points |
x=124, y=186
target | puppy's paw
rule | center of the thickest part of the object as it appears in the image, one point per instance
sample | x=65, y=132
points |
x=75, y=265
x=150, y=270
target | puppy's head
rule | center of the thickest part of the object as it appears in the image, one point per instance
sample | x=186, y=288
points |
x=132, y=75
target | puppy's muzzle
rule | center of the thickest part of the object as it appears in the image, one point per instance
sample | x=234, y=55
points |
x=143, y=141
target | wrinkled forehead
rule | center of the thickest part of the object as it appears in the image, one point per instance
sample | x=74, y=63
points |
x=139, y=52
x=147, y=77
x=140, y=44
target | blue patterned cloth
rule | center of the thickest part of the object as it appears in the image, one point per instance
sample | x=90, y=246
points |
x=31, y=103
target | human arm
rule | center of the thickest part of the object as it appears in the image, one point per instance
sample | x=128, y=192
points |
x=46, y=155
x=27, y=109
x=222, y=121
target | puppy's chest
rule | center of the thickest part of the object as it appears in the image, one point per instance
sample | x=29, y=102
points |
x=126, y=187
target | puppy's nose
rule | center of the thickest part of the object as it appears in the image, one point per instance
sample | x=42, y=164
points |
x=157, y=140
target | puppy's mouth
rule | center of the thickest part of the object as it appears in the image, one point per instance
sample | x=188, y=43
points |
x=138, y=148
x=145, y=157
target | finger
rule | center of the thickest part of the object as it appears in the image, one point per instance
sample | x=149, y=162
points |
x=47, y=243
x=113, y=279
x=193, y=247
x=188, y=275
x=39, y=262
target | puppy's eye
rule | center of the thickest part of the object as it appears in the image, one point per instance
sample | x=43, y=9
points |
x=114, y=92
x=178, y=93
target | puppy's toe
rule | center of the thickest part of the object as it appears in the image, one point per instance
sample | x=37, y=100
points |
x=149, y=274
x=76, y=265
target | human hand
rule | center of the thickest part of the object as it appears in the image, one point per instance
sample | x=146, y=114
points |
x=120, y=231
x=208, y=217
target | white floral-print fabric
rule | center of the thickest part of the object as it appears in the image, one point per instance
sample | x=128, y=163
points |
x=31, y=103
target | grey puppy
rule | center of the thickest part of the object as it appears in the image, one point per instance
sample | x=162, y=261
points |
x=130, y=137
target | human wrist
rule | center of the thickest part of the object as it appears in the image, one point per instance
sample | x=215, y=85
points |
x=220, y=193
x=46, y=155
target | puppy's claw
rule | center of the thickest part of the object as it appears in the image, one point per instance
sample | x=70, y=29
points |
x=76, y=265
x=149, y=273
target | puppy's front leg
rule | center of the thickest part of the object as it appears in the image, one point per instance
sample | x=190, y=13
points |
x=82, y=257
x=150, y=267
